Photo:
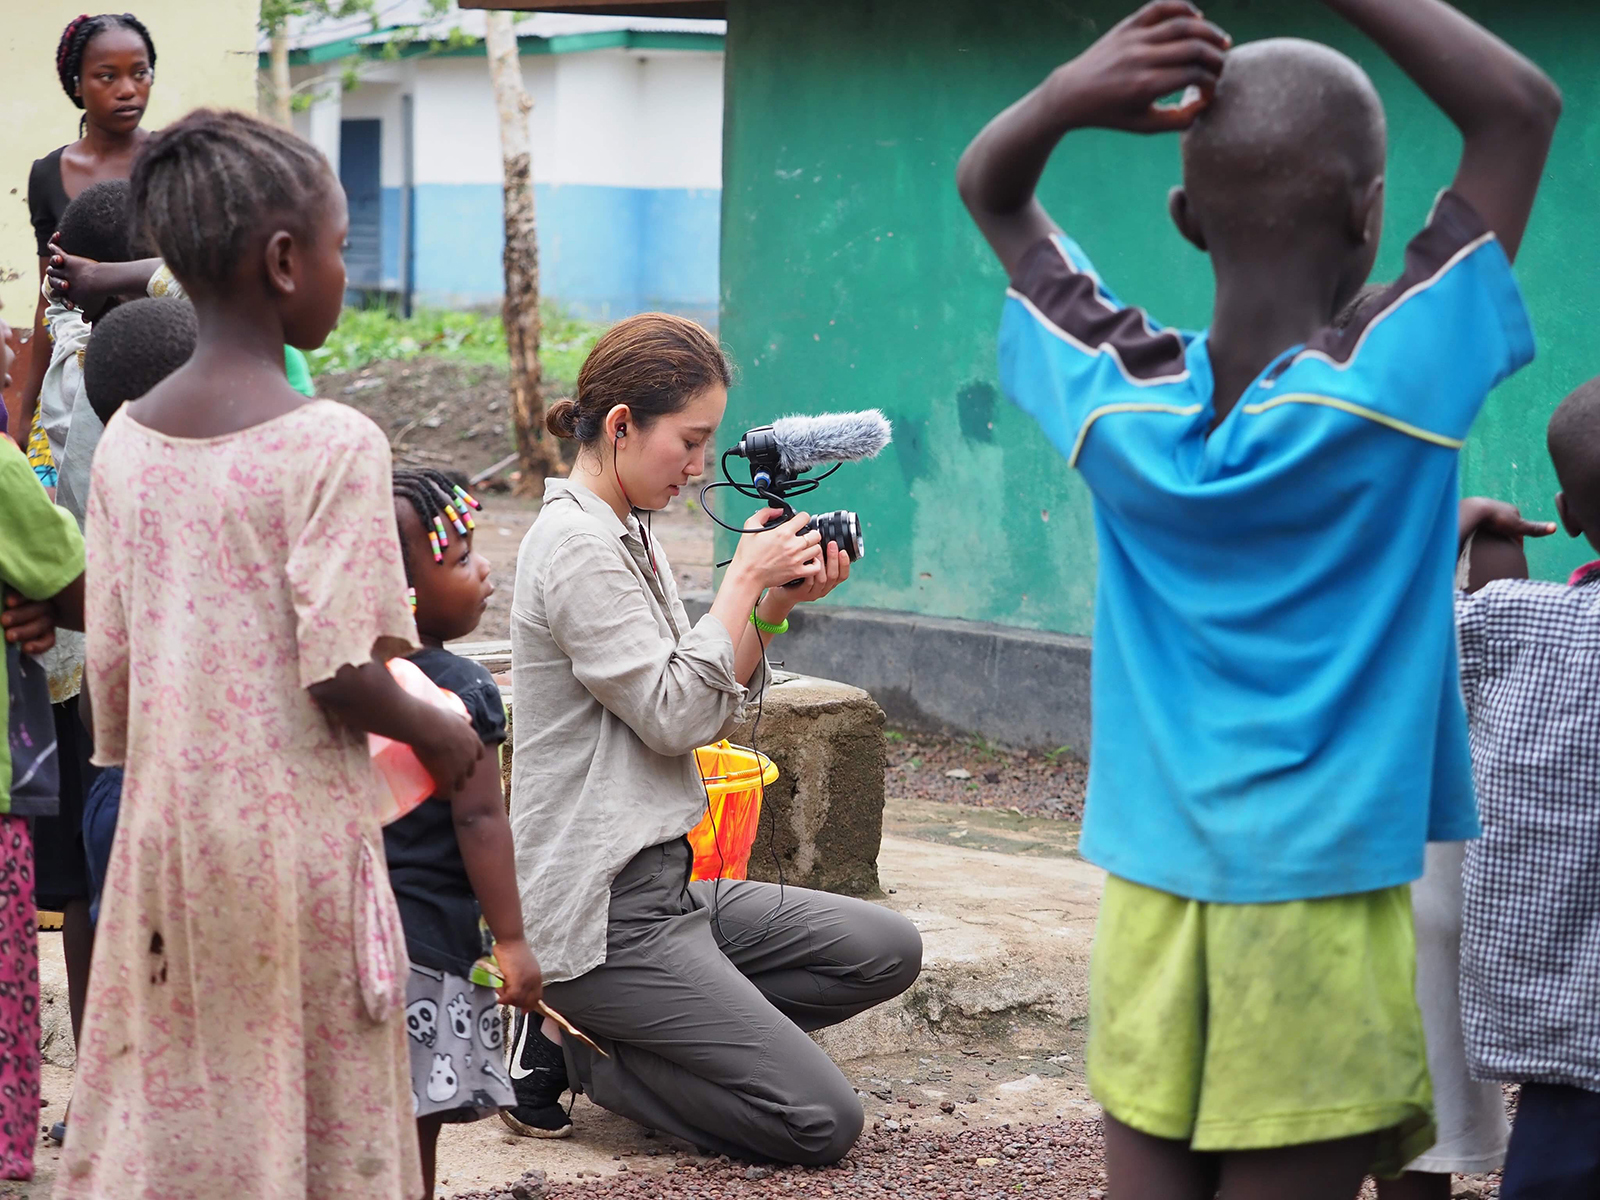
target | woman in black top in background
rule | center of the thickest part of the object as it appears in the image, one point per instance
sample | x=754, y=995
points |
x=106, y=65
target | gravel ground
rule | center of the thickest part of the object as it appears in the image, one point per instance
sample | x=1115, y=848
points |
x=972, y=771
x=1059, y=1161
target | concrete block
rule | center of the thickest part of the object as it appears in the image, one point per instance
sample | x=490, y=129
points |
x=822, y=821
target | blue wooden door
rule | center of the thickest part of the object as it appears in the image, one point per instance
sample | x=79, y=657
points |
x=360, y=155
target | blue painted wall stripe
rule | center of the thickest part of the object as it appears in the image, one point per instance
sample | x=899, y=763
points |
x=604, y=252
x=389, y=234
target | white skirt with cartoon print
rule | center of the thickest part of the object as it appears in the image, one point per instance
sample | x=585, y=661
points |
x=457, y=1061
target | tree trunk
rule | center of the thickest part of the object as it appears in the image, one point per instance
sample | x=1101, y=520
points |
x=536, y=450
x=282, y=89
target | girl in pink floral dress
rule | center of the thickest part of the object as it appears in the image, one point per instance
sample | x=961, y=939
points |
x=244, y=1035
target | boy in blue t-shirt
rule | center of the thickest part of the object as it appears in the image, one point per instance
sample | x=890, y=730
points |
x=1278, y=722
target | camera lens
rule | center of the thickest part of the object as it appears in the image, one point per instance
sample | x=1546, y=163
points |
x=843, y=529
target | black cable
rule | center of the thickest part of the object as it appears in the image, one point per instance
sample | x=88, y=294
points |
x=776, y=499
x=779, y=499
x=798, y=487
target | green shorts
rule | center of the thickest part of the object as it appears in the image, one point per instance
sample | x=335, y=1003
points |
x=1249, y=1026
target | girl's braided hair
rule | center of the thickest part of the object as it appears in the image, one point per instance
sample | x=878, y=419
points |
x=439, y=502
x=75, y=38
x=205, y=184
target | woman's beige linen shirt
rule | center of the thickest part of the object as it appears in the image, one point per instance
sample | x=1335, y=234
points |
x=613, y=690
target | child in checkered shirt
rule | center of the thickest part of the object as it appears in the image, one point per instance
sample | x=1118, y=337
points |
x=1530, y=951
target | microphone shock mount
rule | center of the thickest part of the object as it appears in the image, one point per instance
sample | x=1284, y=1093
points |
x=772, y=483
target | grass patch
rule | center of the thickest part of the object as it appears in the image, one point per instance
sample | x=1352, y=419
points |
x=367, y=335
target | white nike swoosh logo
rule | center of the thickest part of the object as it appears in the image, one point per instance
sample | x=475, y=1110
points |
x=518, y=1071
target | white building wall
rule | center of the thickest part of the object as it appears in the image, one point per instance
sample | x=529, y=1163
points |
x=322, y=125
x=609, y=117
x=597, y=98
x=636, y=135
x=618, y=118
x=678, y=142
x=457, y=132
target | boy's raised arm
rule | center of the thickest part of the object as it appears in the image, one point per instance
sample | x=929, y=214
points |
x=1505, y=107
x=1163, y=48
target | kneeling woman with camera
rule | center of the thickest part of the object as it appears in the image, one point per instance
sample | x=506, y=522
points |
x=700, y=993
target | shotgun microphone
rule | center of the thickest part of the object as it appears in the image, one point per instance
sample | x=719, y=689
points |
x=800, y=443
x=780, y=453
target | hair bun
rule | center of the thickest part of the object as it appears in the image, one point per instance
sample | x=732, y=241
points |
x=561, y=418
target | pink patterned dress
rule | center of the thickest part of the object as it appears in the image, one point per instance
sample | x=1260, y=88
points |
x=243, y=1035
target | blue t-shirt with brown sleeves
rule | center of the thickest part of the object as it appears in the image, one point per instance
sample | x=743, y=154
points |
x=1277, y=702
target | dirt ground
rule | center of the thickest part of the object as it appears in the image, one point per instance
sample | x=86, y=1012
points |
x=437, y=412
x=986, y=1100
x=972, y=771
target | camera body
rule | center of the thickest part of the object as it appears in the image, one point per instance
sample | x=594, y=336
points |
x=772, y=482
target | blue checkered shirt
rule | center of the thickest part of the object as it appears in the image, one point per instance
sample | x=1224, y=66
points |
x=1530, y=948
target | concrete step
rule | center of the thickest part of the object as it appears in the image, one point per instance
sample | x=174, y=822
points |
x=1005, y=942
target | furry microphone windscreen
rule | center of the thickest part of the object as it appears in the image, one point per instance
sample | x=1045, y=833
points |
x=805, y=442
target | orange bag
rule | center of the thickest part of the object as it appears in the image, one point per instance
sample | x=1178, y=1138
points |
x=734, y=779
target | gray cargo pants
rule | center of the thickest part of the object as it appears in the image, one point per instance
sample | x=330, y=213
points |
x=705, y=1020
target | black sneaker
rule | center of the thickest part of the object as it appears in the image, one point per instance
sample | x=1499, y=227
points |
x=538, y=1071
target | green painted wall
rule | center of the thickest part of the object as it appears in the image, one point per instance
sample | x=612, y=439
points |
x=852, y=277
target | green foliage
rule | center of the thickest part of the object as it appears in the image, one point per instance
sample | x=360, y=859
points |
x=986, y=750
x=276, y=13
x=346, y=73
x=367, y=335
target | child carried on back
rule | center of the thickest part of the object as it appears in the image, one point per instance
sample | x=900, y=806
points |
x=1252, y=1020
x=94, y=226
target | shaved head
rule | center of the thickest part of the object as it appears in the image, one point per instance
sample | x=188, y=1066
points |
x=1573, y=438
x=1295, y=131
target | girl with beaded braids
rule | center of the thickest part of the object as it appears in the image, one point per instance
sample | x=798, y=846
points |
x=247, y=587
x=451, y=863
x=106, y=65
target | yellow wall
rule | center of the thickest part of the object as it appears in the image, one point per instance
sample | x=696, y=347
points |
x=205, y=55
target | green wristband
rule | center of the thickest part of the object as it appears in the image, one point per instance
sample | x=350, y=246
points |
x=767, y=627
